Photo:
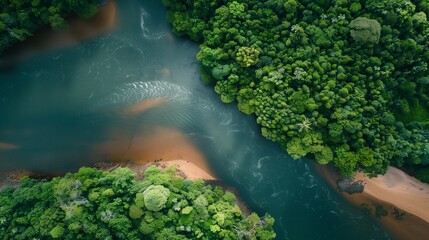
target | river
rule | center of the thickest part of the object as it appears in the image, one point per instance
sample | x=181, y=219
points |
x=136, y=89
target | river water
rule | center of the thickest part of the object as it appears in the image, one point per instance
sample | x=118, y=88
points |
x=102, y=99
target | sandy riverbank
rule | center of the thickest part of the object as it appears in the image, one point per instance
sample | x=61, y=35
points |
x=148, y=144
x=185, y=168
x=396, y=193
x=399, y=189
x=143, y=144
x=190, y=170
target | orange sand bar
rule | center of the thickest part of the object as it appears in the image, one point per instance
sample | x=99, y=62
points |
x=399, y=189
x=395, y=191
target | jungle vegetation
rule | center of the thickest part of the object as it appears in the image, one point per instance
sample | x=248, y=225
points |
x=344, y=82
x=19, y=19
x=94, y=204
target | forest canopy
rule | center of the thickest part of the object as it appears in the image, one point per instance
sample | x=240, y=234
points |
x=341, y=82
x=19, y=19
x=94, y=204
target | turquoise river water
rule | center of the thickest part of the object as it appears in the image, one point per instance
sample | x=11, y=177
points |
x=56, y=106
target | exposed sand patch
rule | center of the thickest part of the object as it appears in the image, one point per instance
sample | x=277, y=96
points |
x=395, y=191
x=157, y=144
x=190, y=170
x=142, y=144
x=399, y=189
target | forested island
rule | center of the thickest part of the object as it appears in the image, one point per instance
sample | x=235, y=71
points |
x=341, y=82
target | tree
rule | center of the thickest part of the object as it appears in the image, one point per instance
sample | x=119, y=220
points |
x=219, y=72
x=365, y=31
x=57, y=232
x=155, y=197
x=247, y=56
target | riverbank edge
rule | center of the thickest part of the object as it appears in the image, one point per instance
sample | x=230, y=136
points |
x=400, y=223
x=184, y=168
x=46, y=39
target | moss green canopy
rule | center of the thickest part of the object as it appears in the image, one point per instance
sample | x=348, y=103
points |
x=247, y=56
x=155, y=197
x=221, y=71
x=365, y=31
x=93, y=204
x=341, y=82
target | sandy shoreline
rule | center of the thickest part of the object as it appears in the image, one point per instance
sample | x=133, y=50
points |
x=191, y=170
x=138, y=145
x=147, y=144
x=185, y=168
x=396, y=193
x=399, y=189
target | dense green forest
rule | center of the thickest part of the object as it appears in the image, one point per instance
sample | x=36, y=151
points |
x=19, y=19
x=94, y=204
x=341, y=82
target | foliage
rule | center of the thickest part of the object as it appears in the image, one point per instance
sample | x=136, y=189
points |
x=423, y=174
x=20, y=19
x=155, y=197
x=344, y=82
x=93, y=204
x=221, y=71
x=365, y=31
x=247, y=56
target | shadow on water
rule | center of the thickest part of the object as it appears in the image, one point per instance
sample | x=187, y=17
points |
x=134, y=94
x=45, y=39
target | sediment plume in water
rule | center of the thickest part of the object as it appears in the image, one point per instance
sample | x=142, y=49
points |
x=4, y=146
x=142, y=143
x=153, y=144
x=142, y=106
